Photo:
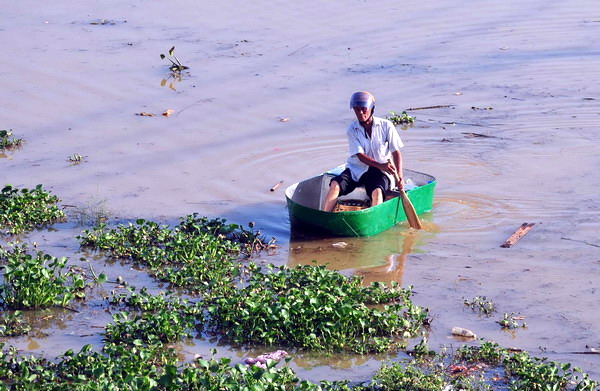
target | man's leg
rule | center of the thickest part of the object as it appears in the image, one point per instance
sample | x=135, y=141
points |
x=376, y=184
x=332, y=196
x=340, y=185
x=376, y=197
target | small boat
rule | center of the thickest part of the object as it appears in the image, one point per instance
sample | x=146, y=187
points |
x=305, y=201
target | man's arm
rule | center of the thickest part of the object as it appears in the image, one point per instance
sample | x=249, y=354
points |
x=397, y=158
x=385, y=167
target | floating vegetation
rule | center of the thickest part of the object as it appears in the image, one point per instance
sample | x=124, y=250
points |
x=251, y=242
x=509, y=321
x=76, y=159
x=8, y=141
x=24, y=209
x=163, y=326
x=120, y=367
x=144, y=301
x=400, y=119
x=176, y=66
x=481, y=304
x=156, y=367
x=12, y=324
x=524, y=372
x=38, y=280
x=197, y=253
x=312, y=307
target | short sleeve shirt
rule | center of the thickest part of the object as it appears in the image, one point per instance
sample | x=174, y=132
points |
x=383, y=141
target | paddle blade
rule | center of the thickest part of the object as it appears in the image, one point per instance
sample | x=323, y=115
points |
x=409, y=210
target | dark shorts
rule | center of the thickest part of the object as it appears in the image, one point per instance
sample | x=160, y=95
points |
x=372, y=179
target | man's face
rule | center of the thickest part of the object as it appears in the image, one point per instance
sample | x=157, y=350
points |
x=362, y=113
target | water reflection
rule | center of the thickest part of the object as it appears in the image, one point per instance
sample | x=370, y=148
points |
x=379, y=258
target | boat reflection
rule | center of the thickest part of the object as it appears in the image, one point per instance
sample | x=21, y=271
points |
x=379, y=258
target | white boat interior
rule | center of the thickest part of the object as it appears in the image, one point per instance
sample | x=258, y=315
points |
x=311, y=192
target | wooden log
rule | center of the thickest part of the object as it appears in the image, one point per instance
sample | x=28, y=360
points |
x=276, y=186
x=519, y=233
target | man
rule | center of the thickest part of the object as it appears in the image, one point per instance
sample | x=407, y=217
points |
x=374, y=155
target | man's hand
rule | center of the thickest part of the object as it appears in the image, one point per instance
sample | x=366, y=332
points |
x=400, y=183
x=396, y=174
x=387, y=167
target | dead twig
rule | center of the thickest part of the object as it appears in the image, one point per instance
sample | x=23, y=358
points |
x=430, y=107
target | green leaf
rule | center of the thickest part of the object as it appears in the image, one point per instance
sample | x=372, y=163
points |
x=101, y=278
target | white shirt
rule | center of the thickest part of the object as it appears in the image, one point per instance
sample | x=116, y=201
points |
x=383, y=141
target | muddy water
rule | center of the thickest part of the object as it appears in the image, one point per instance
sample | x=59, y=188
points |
x=266, y=100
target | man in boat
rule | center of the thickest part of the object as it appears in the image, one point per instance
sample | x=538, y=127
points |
x=374, y=155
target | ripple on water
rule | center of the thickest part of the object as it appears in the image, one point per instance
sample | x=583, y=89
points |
x=470, y=212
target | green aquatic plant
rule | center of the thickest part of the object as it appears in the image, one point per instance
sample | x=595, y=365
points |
x=251, y=242
x=312, y=307
x=481, y=304
x=532, y=373
x=409, y=377
x=24, y=209
x=138, y=365
x=38, y=280
x=162, y=326
x=509, y=321
x=144, y=301
x=12, y=324
x=488, y=352
x=8, y=141
x=76, y=159
x=400, y=119
x=198, y=253
x=219, y=374
x=176, y=66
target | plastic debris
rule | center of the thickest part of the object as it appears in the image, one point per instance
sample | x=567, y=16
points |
x=261, y=361
x=461, y=332
x=339, y=244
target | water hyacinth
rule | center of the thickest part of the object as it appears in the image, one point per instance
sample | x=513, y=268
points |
x=38, y=280
x=24, y=209
x=312, y=307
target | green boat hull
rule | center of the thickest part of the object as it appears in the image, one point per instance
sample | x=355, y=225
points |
x=305, y=213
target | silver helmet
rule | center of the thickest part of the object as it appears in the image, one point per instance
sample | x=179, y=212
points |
x=362, y=99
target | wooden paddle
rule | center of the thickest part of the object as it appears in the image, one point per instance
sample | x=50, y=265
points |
x=409, y=209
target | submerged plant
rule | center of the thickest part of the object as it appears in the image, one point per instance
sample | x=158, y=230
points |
x=25, y=209
x=8, y=141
